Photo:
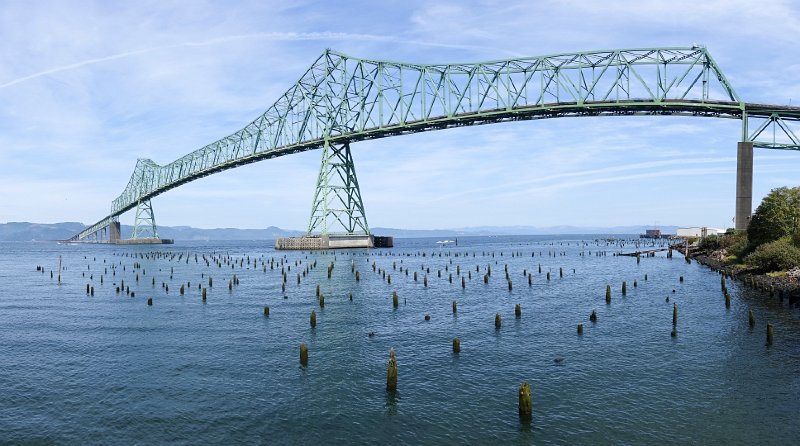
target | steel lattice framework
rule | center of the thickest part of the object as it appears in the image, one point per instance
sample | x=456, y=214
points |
x=342, y=99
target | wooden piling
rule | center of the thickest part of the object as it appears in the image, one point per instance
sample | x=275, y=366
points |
x=769, y=333
x=304, y=355
x=391, y=372
x=674, y=314
x=525, y=402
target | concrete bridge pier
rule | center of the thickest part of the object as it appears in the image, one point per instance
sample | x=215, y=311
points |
x=113, y=232
x=744, y=184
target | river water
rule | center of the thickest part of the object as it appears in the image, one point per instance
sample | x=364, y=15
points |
x=108, y=368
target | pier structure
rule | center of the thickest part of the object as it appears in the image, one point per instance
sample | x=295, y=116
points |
x=341, y=100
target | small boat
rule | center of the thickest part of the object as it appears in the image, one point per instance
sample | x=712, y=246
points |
x=447, y=242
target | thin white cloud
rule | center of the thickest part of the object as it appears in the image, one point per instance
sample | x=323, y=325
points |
x=276, y=36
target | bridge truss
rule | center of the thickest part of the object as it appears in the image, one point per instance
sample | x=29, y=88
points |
x=341, y=100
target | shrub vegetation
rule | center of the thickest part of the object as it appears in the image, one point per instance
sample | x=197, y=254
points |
x=777, y=255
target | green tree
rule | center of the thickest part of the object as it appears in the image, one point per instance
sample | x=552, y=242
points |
x=777, y=216
x=778, y=255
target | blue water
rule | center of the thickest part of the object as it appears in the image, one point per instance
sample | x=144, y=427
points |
x=77, y=369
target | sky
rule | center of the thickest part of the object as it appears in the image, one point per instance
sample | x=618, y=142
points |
x=87, y=87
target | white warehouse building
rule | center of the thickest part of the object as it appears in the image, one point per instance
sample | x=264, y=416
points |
x=698, y=231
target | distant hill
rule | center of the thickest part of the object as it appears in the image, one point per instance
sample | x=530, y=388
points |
x=189, y=233
x=23, y=231
x=518, y=230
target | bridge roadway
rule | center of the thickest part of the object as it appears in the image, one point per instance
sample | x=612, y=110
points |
x=328, y=108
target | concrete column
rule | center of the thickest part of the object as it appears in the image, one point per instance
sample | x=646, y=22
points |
x=744, y=184
x=113, y=233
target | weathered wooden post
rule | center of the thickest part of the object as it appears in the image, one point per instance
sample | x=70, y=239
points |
x=525, y=402
x=769, y=333
x=313, y=319
x=497, y=321
x=517, y=311
x=391, y=372
x=608, y=294
x=580, y=329
x=674, y=314
x=456, y=345
x=751, y=319
x=304, y=355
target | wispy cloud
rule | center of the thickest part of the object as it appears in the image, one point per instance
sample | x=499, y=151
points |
x=273, y=36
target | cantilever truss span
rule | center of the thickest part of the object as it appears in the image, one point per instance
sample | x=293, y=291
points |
x=342, y=99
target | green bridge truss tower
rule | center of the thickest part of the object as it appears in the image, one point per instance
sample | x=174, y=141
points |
x=337, y=208
x=144, y=226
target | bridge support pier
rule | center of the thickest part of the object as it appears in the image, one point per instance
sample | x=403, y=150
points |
x=744, y=184
x=114, y=232
x=337, y=212
x=144, y=226
x=337, y=207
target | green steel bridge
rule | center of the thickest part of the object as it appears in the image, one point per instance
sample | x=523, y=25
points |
x=341, y=100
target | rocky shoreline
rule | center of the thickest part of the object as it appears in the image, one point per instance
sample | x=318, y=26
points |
x=784, y=287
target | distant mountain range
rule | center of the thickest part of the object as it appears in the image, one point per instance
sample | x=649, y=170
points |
x=23, y=231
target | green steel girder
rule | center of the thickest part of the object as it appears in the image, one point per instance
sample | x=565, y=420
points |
x=778, y=130
x=342, y=99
